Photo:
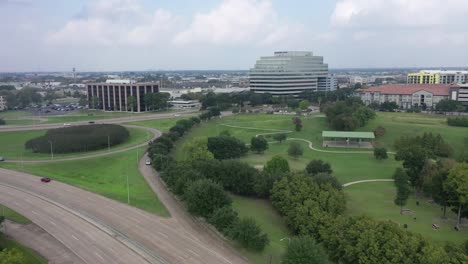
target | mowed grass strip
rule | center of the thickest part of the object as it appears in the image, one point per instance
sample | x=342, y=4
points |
x=13, y=215
x=12, y=144
x=31, y=256
x=106, y=175
x=376, y=200
x=161, y=124
x=270, y=222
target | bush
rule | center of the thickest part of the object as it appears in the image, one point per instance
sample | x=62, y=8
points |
x=258, y=144
x=223, y=218
x=380, y=153
x=318, y=166
x=458, y=121
x=304, y=250
x=248, y=234
x=226, y=147
x=79, y=138
x=204, y=196
x=379, y=131
x=295, y=150
x=277, y=164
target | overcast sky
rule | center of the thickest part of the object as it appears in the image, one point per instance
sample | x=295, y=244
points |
x=107, y=35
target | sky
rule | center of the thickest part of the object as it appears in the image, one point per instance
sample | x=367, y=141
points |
x=125, y=35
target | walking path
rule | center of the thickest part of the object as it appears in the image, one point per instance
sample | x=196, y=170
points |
x=363, y=181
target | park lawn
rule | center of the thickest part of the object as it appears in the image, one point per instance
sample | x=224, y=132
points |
x=411, y=124
x=31, y=256
x=375, y=199
x=14, y=122
x=12, y=144
x=161, y=124
x=106, y=175
x=13, y=216
x=270, y=222
x=14, y=114
x=92, y=115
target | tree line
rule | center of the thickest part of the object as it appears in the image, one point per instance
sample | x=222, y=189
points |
x=458, y=121
x=78, y=138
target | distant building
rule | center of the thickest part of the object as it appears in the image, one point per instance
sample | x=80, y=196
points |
x=183, y=104
x=408, y=96
x=115, y=96
x=3, y=103
x=438, y=77
x=328, y=84
x=460, y=94
x=289, y=73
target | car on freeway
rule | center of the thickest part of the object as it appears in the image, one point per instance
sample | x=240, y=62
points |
x=176, y=115
x=66, y=124
x=91, y=122
x=2, y=159
x=148, y=162
x=45, y=179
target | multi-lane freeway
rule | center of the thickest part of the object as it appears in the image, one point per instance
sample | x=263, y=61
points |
x=99, y=230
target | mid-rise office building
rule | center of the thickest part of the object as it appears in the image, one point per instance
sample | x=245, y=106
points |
x=438, y=77
x=3, y=103
x=290, y=73
x=460, y=94
x=120, y=95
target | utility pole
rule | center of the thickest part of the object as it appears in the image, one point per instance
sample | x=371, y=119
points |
x=51, y=149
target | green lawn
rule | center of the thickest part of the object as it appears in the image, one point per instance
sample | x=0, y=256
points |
x=13, y=216
x=347, y=167
x=91, y=115
x=105, y=175
x=376, y=200
x=270, y=222
x=13, y=122
x=13, y=144
x=31, y=256
x=160, y=124
x=14, y=114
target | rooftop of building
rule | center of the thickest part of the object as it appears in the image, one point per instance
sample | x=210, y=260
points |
x=408, y=89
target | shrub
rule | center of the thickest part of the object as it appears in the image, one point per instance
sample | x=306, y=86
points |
x=277, y=164
x=379, y=131
x=204, y=196
x=223, y=218
x=380, y=153
x=258, y=144
x=318, y=166
x=79, y=138
x=458, y=121
x=248, y=234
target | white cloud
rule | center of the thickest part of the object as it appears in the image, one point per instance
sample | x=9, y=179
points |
x=114, y=23
x=238, y=22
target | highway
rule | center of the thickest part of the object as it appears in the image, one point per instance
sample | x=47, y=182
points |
x=71, y=211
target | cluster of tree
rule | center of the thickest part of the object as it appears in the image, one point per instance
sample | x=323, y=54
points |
x=384, y=107
x=415, y=151
x=322, y=97
x=224, y=101
x=348, y=115
x=21, y=98
x=156, y=101
x=10, y=256
x=447, y=105
x=202, y=181
x=226, y=146
x=78, y=138
x=212, y=112
x=458, y=121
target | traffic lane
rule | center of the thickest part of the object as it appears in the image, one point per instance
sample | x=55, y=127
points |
x=164, y=236
x=84, y=239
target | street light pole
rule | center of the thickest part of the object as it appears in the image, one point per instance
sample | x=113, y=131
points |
x=51, y=149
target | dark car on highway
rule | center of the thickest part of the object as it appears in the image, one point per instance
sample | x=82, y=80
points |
x=45, y=179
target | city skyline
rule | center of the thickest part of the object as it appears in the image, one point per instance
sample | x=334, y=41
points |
x=119, y=35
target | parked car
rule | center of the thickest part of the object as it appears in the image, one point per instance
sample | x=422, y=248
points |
x=148, y=162
x=45, y=179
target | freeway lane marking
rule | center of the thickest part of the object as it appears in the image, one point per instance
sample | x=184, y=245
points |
x=163, y=235
x=97, y=254
x=34, y=212
x=52, y=223
x=75, y=237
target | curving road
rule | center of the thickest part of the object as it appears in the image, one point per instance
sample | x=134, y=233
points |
x=95, y=227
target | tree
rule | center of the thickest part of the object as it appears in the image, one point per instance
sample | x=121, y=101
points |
x=318, y=166
x=204, y=196
x=297, y=123
x=277, y=164
x=325, y=178
x=403, y=188
x=304, y=250
x=280, y=137
x=50, y=96
x=226, y=147
x=247, y=232
x=295, y=150
x=2, y=122
x=131, y=103
x=380, y=153
x=447, y=105
x=457, y=185
x=222, y=218
x=237, y=177
x=258, y=144
x=379, y=131
x=12, y=256
x=388, y=106
x=27, y=96
x=304, y=104
x=196, y=150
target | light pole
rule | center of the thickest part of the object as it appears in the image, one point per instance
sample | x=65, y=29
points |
x=287, y=239
x=51, y=149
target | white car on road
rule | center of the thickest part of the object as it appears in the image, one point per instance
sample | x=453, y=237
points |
x=148, y=162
